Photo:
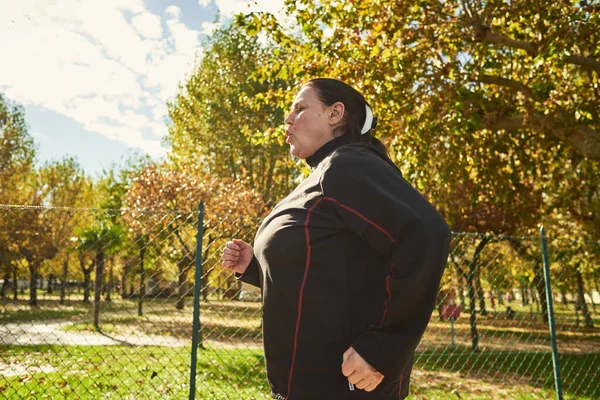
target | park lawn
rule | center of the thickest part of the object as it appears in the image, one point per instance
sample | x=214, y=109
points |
x=506, y=374
x=514, y=361
x=88, y=372
x=11, y=312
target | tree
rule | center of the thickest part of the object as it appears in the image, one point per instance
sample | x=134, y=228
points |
x=164, y=203
x=64, y=188
x=502, y=67
x=481, y=102
x=17, y=155
x=17, y=152
x=213, y=129
x=101, y=240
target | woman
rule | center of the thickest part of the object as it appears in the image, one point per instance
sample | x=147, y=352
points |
x=349, y=263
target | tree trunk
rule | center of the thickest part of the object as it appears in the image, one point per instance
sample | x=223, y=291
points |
x=50, y=282
x=534, y=298
x=5, y=284
x=587, y=318
x=524, y=299
x=15, y=283
x=109, y=286
x=33, y=281
x=563, y=294
x=87, y=286
x=182, y=278
x=471, y=290
x=204, y=290
x=459, y=286
x=472, y=312
x=592, y=296
x=124, y=285
x=597, y=291
x=480, y=293
x=142, y=244
x=63, y=285
x=98, y=284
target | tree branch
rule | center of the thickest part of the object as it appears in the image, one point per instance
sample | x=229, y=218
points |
x=510, y=83
x=585, y=62
x=180, y=239
x=583, y=138
x=484, y=34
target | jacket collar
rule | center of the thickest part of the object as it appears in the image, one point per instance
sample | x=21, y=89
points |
x=325, y=150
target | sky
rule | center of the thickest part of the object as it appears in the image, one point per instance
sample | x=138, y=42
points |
x=94, y=77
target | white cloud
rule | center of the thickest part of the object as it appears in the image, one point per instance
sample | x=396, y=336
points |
x=185, y=40
x=204, y=3
x=229, y=8
x=208, y=28
x=148, y=25
x=173, y=11
x=85, y=60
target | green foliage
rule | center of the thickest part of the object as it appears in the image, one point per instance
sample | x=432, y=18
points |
x=482, y=103
x=224, y=123
x=17, y=152
x=100, y=237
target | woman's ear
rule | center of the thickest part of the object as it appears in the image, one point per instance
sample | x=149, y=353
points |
x=336, y=113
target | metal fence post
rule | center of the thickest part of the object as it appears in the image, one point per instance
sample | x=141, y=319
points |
x=556, y=364
x=196, y=336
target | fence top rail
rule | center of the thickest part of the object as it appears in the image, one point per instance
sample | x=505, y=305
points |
x=492, y=236
x=105, y=210
x=123, y=210
x=500, y=237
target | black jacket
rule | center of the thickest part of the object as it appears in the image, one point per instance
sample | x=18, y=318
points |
x=352, y=257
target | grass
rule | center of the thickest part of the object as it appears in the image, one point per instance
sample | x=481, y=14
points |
x=87, y=372
x=11, y=312
x=514, y=360
x=515, y=374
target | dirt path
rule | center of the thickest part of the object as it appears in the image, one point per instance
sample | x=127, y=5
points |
x=53, y=333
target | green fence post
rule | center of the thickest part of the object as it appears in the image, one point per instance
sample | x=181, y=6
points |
x=557, y=381
x=196, y=335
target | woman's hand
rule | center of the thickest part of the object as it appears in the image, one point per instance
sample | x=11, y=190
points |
x=359, y=372
x=237, y=255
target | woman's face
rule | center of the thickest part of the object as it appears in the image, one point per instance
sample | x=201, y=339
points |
x=309, y=123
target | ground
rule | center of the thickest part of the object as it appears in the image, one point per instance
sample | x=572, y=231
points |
x=53, y=351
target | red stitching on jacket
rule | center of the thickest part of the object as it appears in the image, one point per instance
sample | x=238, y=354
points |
x=389, y=293
x=300, y=295
x=361, y=216
x=387, y=279
x=400, y=389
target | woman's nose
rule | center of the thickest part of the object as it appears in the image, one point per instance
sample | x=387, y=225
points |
x=288, y=119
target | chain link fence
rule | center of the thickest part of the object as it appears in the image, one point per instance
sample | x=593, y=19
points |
x=100, y=303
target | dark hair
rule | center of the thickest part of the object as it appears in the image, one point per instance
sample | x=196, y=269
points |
x=331, y=91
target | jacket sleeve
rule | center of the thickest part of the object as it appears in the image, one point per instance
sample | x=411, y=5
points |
x=252, y=275
x=375, y=202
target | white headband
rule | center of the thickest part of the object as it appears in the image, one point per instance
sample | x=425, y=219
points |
x=368, y=120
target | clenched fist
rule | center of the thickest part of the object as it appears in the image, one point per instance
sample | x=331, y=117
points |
x=359, y=372
x=237, y=255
